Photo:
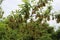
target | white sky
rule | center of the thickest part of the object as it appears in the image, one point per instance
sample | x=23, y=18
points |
x=56, y=5
x=9, y=5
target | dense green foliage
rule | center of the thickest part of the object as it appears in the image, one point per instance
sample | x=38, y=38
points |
x=1, y=11
x=16, y=27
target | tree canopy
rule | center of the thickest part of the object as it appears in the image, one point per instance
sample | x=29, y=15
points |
x=17, y=27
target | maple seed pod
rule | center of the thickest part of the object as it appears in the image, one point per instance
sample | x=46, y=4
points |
x=33, y=11
x=11, y=20
x=44, y=16
x=38, y=6
x=43, y=4
x=38, y=15
x=58, y=21
x=48, y=18
x=52, y=18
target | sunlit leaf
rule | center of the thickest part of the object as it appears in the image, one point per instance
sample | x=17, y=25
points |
x=27, y=1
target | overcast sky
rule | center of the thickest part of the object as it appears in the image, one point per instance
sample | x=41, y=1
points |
x=9, y=5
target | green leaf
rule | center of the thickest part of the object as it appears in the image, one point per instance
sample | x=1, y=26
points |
x=25, y=1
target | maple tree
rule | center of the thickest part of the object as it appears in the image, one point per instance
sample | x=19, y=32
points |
x=17, y=27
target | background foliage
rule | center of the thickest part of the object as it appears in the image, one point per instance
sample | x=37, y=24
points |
x=16, y=27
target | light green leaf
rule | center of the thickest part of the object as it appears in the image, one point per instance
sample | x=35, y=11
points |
x=25, y=1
